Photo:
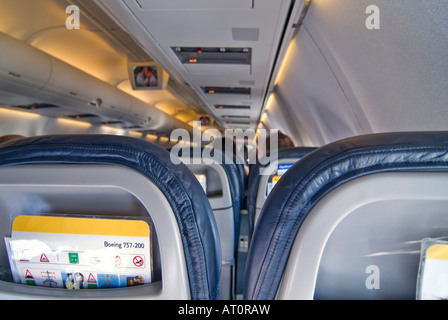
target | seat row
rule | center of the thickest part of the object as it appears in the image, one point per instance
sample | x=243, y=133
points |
x=344, y=221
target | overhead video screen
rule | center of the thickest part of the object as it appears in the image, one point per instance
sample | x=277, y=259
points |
x=147, y=76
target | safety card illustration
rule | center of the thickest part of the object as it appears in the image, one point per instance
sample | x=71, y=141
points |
x=79, y=253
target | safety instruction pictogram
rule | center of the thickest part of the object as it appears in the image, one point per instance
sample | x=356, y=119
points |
x=138, y=261
x=96, y=252
x=29, y=278
x=43, y=258
x=24, y=257
x=91, y=279
x=117, y=261
x=28, y=275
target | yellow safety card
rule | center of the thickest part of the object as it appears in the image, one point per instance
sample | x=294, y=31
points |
x=79, y=253
x=281, y=170
x=433, y=272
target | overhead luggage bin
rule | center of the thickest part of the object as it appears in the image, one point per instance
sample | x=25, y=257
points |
x=84, y=193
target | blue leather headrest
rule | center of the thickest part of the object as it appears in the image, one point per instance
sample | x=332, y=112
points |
x=254, y=178
x=236, y=183
x=313, y=177
x=182, y=190
x=235, y=177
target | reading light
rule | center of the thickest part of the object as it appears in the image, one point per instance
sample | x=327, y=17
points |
x=69, y=124
x=37, y=106
x=24, y=115
x=283, y=66
x=81, y=116
x=106, y=123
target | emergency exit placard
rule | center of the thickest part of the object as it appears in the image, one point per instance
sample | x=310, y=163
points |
x=79, y=253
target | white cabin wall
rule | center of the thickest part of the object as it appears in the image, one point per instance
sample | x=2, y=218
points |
x=275, y=118
x=396, y=75
x=312, y=96
x=342, y=79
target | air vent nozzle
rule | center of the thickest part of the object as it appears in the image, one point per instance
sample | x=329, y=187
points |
x=37, y=106
x=82, y=116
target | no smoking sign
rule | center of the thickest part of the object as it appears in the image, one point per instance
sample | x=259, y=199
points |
x=138, y=261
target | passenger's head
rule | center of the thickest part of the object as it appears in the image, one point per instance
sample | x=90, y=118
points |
x=10, y=137
x=284, y=141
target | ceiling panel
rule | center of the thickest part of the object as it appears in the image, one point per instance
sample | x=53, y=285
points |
x=258, y=25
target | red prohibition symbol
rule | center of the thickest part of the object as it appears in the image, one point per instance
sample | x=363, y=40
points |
x=138, y=261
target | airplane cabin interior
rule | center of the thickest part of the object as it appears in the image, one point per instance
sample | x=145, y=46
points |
x=223, y=150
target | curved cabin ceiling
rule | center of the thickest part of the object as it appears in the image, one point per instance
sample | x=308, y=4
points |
x=112, y=33
x=318, y=77
x=228, y=51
